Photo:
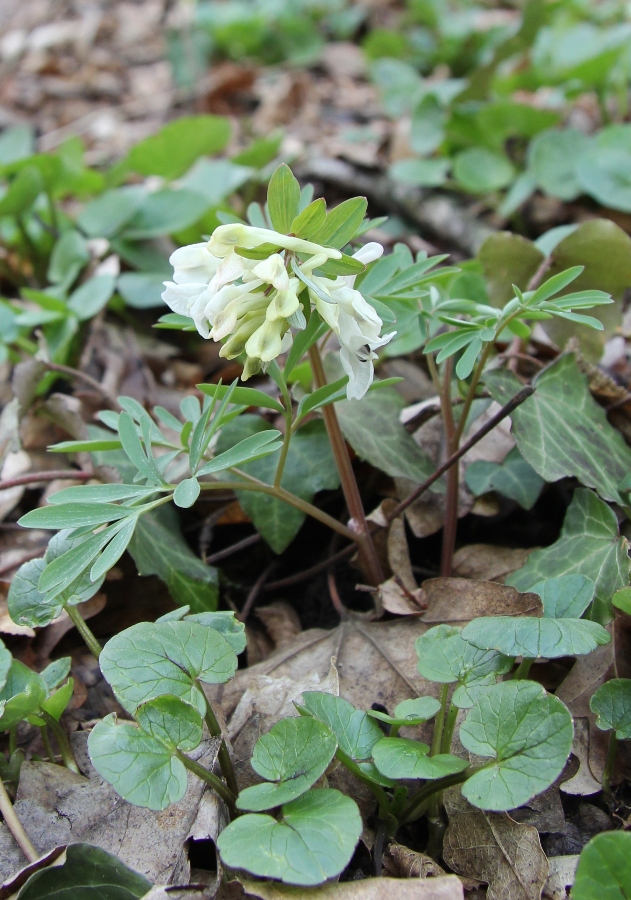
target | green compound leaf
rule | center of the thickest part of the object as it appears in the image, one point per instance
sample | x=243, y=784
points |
x=565, y=597
x=514, y=478
x=612, y=705
x=89, y=873
x=532, y=638
x=604, y=868
x=561, y=430
x=150, y=660
x=294, y=754
x=22, y=695
x=314, y=840
x=590, y=544
x=354, y=729
x=527, y=732
x=444, y=656
x=409, y=712
x=397, y=757
x=140, y=762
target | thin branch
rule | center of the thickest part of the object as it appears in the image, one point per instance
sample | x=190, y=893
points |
x=234, y=548
x=52, y=475
x=255, y=590
x=312, y=570
x=78, y=375
x=15, y=826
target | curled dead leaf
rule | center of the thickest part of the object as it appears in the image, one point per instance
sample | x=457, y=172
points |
x=447, y=887
x=460, y=600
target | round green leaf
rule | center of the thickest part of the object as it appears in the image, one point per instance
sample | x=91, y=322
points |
x=56, y=672
x=139, y=767
x=226, y=624
x=480, y=170
x=21, y=696
x=528, y=734
x=401, y=758
x=605, y=174
x=421, y=172
x=612, y=705
x=444, y=656
x=355, y=731
x=5, y=664
x=186, y=493
x=409, y=712
x=172, y=722
x=552, y=159
x=532, y=637
x=152, y=659
x=314, y=840
x=295, y=753
x=565, y=597
x=604, y=869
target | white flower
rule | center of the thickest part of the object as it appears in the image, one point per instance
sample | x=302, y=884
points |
x=193, y=264
x=226, y=237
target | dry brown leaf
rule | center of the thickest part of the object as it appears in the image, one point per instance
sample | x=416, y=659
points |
x=399, y=554
x=58, y=807
x=401, y=862
x=561, y=877
x=492, y=847
x=584, y=781
x=544, y=812
x=281, y=623
x=485, y=562
x=168, y=892
x=400, y=602
x=460, y=600
x=445, y=888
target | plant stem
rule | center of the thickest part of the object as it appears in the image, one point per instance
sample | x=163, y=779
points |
x=610, y=762
x=223, y=756
x=453, y=476
x=432, y=787
x=215, y=783
x=62, y=741
x=250, y=483
x=523, y=668
x=13, y=740
x=15, y=826
x=46, y=742
x=367, y=553
x=439, y=725
x=466, y=409
x=286, y=439
x=80, y=624
x=385, y=809
x=448, y=731
x=54, y=475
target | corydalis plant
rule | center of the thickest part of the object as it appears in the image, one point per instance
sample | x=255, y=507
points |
x=250, y=286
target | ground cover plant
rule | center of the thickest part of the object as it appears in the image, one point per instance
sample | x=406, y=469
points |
x=315, y=528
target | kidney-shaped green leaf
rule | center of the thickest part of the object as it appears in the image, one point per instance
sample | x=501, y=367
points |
x=527, y=733
x=293, y=755
x=444, y=656
x=565, y=597
x=531, y=637
x=149, y=660
x=142, y=766
x=604, y=869
x=22, y=695
x=612, y=705
x=314, y=840
x=409, y=712
x=397, y=757
x=355, y=731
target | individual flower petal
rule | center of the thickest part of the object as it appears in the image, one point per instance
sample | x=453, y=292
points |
x=230, y=268
x=284, y=304
x=272, y=271
x=226, y=237
x=366, y=254
x=181, y=297
x=193, y=263
x=266, y=342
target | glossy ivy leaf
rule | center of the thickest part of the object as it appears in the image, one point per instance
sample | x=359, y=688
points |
x=150, y=660
x=314, y=840
x=565, y=597
x=141, y=762
x=604, y=868
x=397, y=757
x=292, y=755
x=409, y=712
x=89, y=873
x=590, y=544
x=444, y=656
x=527, y=733
x=532, y=638
x=21, y=696
x=514, y=478
x=612, y=705
x=354, y=729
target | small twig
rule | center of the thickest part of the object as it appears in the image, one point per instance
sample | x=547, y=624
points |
x=78, y=375
x=255, y=590
x=53, y=475
x=336, y=600
x=312, y=570
x=506, y=410
x=15, y=826
x=234, y=548
x=510, y=355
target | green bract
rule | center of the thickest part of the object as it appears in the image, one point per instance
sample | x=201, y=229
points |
x=527, y=733
x=355, y=731
x=313, y=841
x=444, y=656
x=293, y=755
x=612, y=705
x=141, y=762
x=532, y=638
x=397, y=757
x=150, y=660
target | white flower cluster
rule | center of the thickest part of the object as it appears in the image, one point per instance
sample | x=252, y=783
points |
x=252, y=304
